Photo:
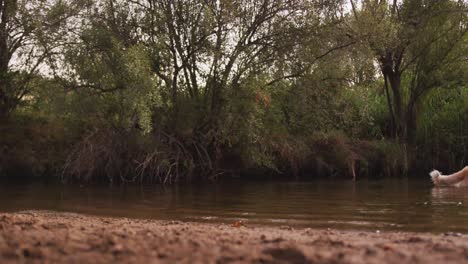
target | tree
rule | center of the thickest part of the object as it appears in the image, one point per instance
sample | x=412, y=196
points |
x=30, y=33
x=412, y=40
x=204, y=48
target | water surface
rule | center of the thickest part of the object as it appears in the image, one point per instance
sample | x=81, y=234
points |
x=368, y=205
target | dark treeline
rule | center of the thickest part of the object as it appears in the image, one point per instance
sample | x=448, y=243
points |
x=171, y=90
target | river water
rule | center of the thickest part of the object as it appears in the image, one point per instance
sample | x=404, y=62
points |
x=392, y=204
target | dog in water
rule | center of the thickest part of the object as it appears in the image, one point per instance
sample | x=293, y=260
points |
x=458, y=179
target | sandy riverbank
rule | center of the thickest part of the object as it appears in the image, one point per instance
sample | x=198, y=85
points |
x=38, y=237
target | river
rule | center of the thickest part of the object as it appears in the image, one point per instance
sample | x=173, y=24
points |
x=390, y=204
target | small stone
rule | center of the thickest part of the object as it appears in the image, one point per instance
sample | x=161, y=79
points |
x=370, y=252
x=415, y=240
x=32, y=253
x=453, y=234
x=307, y=231
x=116, y=249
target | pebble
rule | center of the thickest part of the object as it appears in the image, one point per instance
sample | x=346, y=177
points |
x=453, y=234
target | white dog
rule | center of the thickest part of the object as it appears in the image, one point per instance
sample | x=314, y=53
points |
x=458, y=179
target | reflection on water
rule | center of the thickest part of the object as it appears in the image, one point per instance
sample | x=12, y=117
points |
x=370, y=205
x=442, y=194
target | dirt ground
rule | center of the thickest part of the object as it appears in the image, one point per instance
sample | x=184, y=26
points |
x=50, y=237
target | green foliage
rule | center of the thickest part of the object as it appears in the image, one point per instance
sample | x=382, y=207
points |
x=443, y=127
x=166, y=90
x=32, y=146
x=365, y=114
x=116, y=85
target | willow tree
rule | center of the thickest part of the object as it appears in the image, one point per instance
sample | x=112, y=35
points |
x=201, y=49
x=414, y=42
x=30, y=33
x=206, y=58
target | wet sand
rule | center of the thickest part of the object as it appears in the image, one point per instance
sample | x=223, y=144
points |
x=51, y=237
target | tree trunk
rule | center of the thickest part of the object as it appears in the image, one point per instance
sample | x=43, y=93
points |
x=395, y=84
x=410, y=122
x=403, y=117
x=396, y=107
x=4, y=101
x=392, y=127
x=4, y=59
x=174, y=100
x=4, y=109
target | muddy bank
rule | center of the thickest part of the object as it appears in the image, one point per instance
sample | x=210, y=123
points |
x=38, y=237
